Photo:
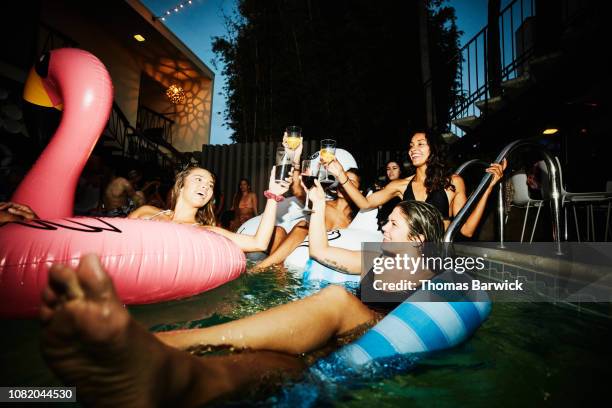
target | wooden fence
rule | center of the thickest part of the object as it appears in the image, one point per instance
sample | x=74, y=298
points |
x=254, y=161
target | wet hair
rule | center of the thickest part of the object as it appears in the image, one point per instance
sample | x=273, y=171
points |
x=205, y=215
x=423, y=219
x=438, y=174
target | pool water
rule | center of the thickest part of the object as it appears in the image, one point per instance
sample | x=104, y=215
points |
x=526, y=354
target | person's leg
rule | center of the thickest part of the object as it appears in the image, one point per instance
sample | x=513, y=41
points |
x=293, y=240
x=278, y=236
x=90, y=341
x=297, y=327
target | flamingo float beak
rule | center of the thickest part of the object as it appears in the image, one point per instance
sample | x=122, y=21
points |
x=39, y=88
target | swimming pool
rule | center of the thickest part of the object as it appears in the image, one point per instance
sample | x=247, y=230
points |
x=526, y=354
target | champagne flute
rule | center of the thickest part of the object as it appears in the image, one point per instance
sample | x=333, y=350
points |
x=327, y=154
x=328, y=150
x=293, y=137
x=310, y=169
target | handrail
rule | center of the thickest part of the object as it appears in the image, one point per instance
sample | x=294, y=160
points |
x=555, y=191
x=500, y=209
x=500, y=198
x=471, y=163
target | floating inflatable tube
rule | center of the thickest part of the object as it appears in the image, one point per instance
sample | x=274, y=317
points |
x=148, y=261
x=419, y=326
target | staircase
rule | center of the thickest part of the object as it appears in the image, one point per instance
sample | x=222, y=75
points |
x=522, y=67
x=123, y=140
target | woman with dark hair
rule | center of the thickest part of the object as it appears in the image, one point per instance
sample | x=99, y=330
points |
x=394, y=171
x=244, y=204
x=191, y=203
x=432, y=182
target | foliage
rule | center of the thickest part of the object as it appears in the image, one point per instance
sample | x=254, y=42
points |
x=347, y=69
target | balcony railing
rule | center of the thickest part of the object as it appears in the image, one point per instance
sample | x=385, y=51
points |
x=148, y=119
x=119, y=135
x=516, y=46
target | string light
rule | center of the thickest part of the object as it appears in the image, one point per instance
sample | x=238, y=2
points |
x=174, y=9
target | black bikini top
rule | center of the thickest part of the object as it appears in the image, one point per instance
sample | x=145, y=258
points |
x=437, y=198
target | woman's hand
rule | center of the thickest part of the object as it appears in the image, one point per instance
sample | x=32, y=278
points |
x=316, y=194
x=20, y=210
x=497, y=170
x=276, y=187
x=297, y=153
x=335, y=168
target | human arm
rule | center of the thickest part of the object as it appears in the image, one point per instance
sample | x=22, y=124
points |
x=17, y=212
x=261, y=239
x=143, y=212
x=341, y=259
x=374, y=200
x=471, y=224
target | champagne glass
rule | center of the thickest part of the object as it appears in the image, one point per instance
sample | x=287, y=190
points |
x=328, y=150
x=293, y=137
x=310, y=170
x=327, y=154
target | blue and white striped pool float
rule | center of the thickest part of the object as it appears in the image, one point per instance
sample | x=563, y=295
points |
x=417, y=327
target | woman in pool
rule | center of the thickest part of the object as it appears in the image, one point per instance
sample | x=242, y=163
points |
x=192, y=204
x=338, y=214
x=308, y=324
x=394, y=171
x=432, y=183
x=90, y=340
x=244, y=204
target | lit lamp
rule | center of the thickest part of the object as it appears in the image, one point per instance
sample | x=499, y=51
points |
x=176, y=94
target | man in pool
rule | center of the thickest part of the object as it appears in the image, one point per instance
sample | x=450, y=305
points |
x=91, y=342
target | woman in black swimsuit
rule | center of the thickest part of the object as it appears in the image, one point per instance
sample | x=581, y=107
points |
x=432, y=183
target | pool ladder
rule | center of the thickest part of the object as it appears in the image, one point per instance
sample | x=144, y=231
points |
x=554, y=186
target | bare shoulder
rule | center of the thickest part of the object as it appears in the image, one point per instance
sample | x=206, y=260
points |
x=457, y=180
x=399, y=185
x=144, y=211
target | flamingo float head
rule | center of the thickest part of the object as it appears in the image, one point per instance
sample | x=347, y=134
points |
x=78, y=83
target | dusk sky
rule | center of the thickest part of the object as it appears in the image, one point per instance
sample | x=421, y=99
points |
x=197, y=23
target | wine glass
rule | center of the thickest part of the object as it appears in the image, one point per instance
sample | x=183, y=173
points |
x=328, y=150
x=327, y=154
x=293, y=137
x=310, y=170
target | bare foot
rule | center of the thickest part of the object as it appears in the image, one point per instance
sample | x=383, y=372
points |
x=91, y=342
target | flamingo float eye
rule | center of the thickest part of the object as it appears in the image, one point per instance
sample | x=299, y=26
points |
x=42, y=66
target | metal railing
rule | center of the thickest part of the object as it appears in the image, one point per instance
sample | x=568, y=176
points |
x=150, y=119
x=515, y=47
x=128, y=141
x=555, y=193
x=52, y=39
